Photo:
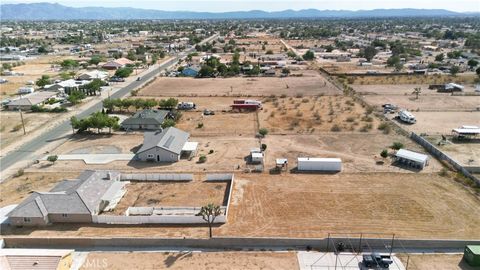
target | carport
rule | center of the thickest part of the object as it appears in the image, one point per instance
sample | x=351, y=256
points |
x=189, y=149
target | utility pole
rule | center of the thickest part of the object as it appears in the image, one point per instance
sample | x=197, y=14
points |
x=23, y=123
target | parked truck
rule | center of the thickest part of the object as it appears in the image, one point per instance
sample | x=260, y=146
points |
x=375, y=260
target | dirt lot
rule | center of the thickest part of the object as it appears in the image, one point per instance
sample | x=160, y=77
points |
x=15, y=189
x=312, y=205
x=192, y=260
x=11, y=125
x=435, y=262
x=309, y=84
x=220, y=124
x=414, y=79
x=464, y=152
x=437, y=123
x=192, y=194
x=402, y=89
x=307, y=205
x=315, y=114
x=357, y=153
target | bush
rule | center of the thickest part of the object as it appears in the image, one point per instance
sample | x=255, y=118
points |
x=263, y=132
x=384, y=153
x=19, y=173
x=385, y=127
x=264, y=147
x=335, y=128
x=397, y=145
x=202, y=159
x=168, y=123
x=200, y=125
x=211, y=151
x=124, y=72
x=52, y=158
x=443, y=172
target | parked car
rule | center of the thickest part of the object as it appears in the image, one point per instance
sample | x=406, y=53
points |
x=117, y=79
x=377, y=260
x=186, y=106
x=208, y=112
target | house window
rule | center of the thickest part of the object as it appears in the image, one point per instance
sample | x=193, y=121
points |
x=27, y=220
x=64, y=215
x=150, y=156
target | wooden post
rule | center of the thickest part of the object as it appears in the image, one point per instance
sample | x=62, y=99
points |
x=391, y=246
x=23, y=122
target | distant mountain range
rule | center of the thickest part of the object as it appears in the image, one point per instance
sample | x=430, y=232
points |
x=49, y=11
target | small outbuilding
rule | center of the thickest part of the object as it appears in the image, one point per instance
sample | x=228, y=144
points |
x=163, y=146
x=319, y=164
x=471, y=254
x=411, y=159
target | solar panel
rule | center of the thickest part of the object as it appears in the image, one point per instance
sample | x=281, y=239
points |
x=169, y=141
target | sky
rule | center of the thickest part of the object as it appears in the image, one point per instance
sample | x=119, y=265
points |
x=268, y=5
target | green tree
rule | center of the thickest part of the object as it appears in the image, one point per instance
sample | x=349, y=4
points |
x=309, y=55
x=472, y=63
x=439, y=57
x=263, y=132
x=75, y=97
x=369, y=52
x=44, y=80
x=168, y=123
x=454, y=70
x=124, y=72
x=209, y=213
x=52, y=158
x=69, y=64
x=206, y=71
x=417, y=91
x=393, y=61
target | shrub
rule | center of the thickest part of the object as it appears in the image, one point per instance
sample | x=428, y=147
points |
x=211, y=151
x=397, y=145
x=52, y=158
x=264, y=147
x=443, y=172
x=350, y=119
x=384, y=153
x=19, y=173
x=263, y=131
x=202, y=159
x=168, y=123
x=335, y=128
x=200, y=125
x=385, y=127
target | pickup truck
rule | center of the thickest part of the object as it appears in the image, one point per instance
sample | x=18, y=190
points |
x=377, y=260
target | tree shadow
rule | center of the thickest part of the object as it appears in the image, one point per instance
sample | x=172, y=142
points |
x=171, y=259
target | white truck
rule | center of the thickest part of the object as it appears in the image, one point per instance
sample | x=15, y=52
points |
x=407, y=117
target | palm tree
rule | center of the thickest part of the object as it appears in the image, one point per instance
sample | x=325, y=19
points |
x=417, y=91
x=209, y=213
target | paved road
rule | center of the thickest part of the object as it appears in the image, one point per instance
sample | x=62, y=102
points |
x=25, y=152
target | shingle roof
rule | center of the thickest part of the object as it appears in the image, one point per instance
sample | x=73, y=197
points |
x=146, y=117
x=171, y=139
x=33, y=99
x=80, y=196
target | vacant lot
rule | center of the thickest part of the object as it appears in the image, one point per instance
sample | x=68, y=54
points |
x=409, y=205
x=192, y=260
x=220, y=124
x=435, y=262
x=15, y=189
x=309, y=84
x=315, y=114
x=11, y=125
x=436, y=123
x=358, y=154
x=196, y=193
x=413, y=79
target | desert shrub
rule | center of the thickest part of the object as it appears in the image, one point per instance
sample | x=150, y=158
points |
x=299, y=95
x=397, y=145
x=200, y=125
x=350, y=119
x=19, y=173
x=385, y=127
x=384, y=153
x=305, y=100
x=335, y=128
x=366, y=128
x=263, y=131
x=211, y=151
x=443, y=172
x=299, y=114
x=202, y=159
x=283, y=96
x=52, y=158
x=367, y=119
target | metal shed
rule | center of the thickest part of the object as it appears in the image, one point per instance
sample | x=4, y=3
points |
x=411, y=158
x=319, y=164
x=471, y=255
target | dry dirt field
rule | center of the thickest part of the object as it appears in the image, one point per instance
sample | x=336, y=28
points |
x=438, y=123
x=308, y=43
x=435, y=262
x=11, y=125
x=305, y=205
x=315, y=114
x=413, y=79
x=426, y=103
x=192, y=260
x=192, y=194
x=357, y=153
x=310, y=84
x=15, y=189
x=220, y=124
x=256, y=44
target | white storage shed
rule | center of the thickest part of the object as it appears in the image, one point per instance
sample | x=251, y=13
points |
x=319, y=164
x=412, y=159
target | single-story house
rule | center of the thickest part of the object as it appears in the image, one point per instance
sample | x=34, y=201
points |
x=117, y=63
x=412, y=159
x=70, y=200
x=191, y=71
x=165, y=146
x=146, y=119
x=29, y=258
x=94, y=74
x=26, y=103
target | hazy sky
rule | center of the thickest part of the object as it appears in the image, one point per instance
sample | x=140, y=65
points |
x=269, y=5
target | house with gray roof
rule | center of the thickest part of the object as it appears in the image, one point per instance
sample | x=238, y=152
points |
x=163, y=146
x=146, y=119
x=72, y=201
x=25, y=103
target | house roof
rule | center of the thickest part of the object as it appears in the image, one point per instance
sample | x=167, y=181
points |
x=171, y=139
x=94, y=74
x=79, y=196
x=146, y=117
x=33, y=99
x=410, y=155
